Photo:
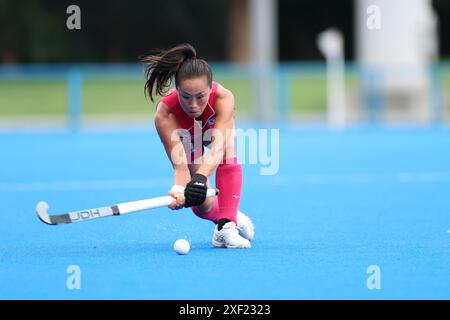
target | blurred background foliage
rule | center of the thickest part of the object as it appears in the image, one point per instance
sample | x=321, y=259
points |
x=34, y=31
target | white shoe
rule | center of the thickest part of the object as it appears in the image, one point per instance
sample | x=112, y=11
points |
x=228, y=237
x=245, y=226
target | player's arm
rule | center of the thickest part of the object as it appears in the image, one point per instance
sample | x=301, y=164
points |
x=166, y=125
x=222, y=138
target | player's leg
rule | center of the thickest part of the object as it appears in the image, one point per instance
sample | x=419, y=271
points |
x=232, y=230
x=229, y=181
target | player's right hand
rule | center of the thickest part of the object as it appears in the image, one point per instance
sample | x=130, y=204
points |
x=177, y=193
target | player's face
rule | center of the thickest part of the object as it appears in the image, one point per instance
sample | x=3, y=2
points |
x=193, y=95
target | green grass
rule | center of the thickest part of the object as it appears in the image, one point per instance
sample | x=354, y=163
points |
x=308, y=90
x=241, y=92
x=446, y=88
x=99, y=97
x=115, y=96
x=308, y=95
x=50, y=98
x=32, y=98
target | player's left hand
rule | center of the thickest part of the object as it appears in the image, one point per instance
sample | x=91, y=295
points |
x=196, y=189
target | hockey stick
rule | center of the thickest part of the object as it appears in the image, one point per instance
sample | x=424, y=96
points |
x=114, y=210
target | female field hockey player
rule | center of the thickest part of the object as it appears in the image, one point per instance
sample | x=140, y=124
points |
x=185, y=116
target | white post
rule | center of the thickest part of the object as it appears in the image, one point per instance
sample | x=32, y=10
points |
x=263, y=15
x=397, y=41
x=331, y=44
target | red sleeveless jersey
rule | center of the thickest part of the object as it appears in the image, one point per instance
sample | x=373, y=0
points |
x=205, y=122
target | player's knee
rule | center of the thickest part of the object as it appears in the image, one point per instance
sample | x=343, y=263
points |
x=206, y=206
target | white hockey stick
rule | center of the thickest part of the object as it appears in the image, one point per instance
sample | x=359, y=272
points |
x=114, y=210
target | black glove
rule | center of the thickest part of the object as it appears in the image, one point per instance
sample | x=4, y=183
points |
x=195, y=192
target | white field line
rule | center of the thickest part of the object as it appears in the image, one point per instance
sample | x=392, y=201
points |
x=276, y=180
x=361, y=178
x=84, y=185
x=425, y=177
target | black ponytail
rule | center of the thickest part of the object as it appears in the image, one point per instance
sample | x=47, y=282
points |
x=180, y=62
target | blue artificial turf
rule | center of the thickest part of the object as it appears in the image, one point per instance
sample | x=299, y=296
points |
x=340, y=202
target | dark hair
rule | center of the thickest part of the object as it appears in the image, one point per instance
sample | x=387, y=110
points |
x=180, y=62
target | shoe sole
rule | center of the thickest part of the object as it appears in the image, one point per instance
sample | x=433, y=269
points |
x=223, y=245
